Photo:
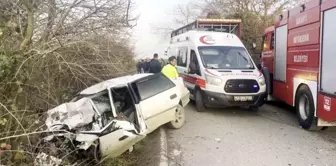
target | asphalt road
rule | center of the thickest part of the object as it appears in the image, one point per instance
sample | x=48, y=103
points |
x=237, y=137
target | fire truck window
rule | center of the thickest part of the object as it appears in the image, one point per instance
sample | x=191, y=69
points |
x=272, y=42
x=264, y=43
x=182, y=57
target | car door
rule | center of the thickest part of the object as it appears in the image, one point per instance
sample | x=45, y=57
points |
x=119, y=141
x=117, y=136
x=158, y=100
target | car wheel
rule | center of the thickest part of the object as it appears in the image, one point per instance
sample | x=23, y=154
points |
x=199, y=102
x=305, y=109
x=179, y=118
x=94, y=153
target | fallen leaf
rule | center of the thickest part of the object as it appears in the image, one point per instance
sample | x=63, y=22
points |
x=20, y=90
x=8, y=147
x=14, y=108
x=176, y=152
x=19, y=155
x=3, y=145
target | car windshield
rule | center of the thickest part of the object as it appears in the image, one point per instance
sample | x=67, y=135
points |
x=225, y=57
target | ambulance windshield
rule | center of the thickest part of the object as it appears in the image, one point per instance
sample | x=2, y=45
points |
x=225, y=57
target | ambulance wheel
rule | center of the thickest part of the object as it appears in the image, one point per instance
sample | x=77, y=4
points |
x=305, y=109
x=199, y=101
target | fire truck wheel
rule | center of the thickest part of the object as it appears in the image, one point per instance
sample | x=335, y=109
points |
x=199, y=101
x=305, y=109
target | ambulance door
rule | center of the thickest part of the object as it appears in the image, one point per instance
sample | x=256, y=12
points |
x=182, y=60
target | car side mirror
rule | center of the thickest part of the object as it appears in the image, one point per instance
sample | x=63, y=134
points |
x=259, y=66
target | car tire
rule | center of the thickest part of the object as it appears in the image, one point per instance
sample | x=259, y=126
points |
x=179, y=118
x=199, y=102
x=94, y=153
x=305, y=109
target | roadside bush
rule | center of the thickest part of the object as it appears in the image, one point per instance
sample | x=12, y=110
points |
x=47, y=56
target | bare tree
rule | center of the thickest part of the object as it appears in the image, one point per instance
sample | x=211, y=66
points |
x=50, y=50
x=185, y=14
x=182, y=14
x=256, y=15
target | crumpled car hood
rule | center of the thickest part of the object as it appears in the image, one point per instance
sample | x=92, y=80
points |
x=73, y=115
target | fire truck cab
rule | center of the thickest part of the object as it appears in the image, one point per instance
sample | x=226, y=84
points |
x=300, y=60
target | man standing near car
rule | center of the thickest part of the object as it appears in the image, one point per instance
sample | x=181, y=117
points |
x=139, y=66
x=146, y=65
x=155, y=65
x=170, y=69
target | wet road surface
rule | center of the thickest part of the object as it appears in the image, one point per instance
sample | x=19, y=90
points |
x=237, y=137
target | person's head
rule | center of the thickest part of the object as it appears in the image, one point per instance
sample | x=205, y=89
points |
x=155, y=56
x=148, y=59
x=172, y=60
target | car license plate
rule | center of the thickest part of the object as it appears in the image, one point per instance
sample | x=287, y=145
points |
x=243, y=98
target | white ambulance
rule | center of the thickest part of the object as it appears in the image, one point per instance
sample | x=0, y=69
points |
x=217, y=69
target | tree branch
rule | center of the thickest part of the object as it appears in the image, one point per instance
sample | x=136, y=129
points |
x=30, y=25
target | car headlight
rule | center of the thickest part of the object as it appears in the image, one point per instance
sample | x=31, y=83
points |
x=262, y=81
x=213, y=80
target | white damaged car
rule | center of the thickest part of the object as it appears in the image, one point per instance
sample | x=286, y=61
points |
x=108, y=118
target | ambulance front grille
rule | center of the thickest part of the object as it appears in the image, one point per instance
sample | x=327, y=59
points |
x=241, y=86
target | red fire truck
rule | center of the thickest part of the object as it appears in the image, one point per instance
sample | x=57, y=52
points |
x=299, y=61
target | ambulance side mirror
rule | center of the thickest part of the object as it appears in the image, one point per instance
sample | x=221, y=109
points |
x=192, y=69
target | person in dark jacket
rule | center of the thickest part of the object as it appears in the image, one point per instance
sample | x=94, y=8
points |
x=146, y=65
x=155, y=65
x=143, y=66
x=138, y=67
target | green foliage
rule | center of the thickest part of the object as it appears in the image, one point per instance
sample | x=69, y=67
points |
x=48, y=72
x=6, y=64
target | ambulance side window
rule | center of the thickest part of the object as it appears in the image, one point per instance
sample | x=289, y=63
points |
x=194, y=63
x=182, y=57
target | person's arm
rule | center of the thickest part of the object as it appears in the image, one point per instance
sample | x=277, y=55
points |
x=150, y=67
x=176, y=73
x=159, y=66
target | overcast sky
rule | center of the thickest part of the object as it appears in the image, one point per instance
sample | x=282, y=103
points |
x=154, y=13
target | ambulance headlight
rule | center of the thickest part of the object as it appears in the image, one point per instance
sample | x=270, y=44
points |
x=262, y=81
x=213, y=80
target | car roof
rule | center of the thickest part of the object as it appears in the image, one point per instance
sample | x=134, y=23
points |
x=112, y=83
